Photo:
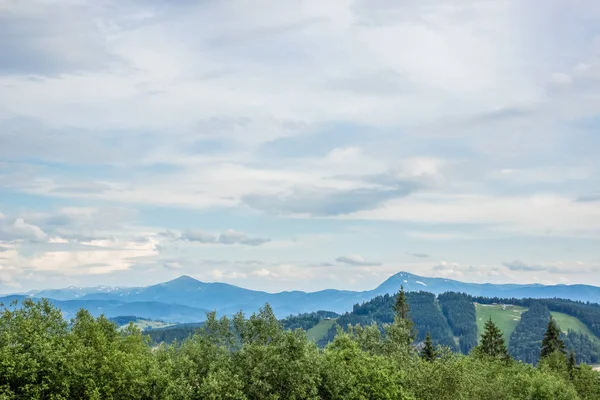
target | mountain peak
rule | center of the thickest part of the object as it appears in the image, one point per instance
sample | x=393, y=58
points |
x=401, y=276
x=183, y=280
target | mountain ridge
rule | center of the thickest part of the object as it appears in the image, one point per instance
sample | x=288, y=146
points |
x=189, y=279
x=186, y=291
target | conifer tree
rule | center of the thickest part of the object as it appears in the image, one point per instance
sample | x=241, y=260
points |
x=571, y=363
x=401, y=331
x=428, y=352
x=552, y=341
x=401, y=306
x=492, y=342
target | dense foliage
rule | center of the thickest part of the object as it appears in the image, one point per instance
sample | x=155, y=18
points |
x=170, y=334
x=526, y=340
x=181, y=332
x=44, y=357
x=424, y=312
x=586, y=349
x=460, y=312
x=457, y=309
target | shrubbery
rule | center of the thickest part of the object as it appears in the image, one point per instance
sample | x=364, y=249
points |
x=44, y=357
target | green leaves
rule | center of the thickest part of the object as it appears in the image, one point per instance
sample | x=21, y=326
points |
x=43, y=357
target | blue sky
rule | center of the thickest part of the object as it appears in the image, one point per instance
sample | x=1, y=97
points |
x=282, y=145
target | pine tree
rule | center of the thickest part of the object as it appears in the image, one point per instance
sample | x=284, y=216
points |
x=492, y=342
x=401, y=331
x=428, y=352
x=401, y=306
x=571, y=363
x=552, y=341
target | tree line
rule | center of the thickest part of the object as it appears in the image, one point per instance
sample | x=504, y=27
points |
x=42, y=356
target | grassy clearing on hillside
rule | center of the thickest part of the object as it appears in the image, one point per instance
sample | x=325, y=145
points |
x=143, y=324
x=567, y=322
x=506, y=317
x=319, y=331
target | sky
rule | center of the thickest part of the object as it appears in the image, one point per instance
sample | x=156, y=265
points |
x=298, y=145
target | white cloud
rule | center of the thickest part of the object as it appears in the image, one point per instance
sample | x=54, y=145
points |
x=173, y=265
x=229, y=237
x=553, y=267
x=94, y=262
x=57, y=240
x=437, y=120
x=356, y=260
x=263, y=272
x=194, y=235
x=234, y=237
x=329, y=42
x=538, y=214
x=19, y=229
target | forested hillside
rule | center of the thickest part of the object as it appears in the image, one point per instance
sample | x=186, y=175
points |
x=460, y=313
x=451, y=320
x=588, y=313
x=424, y=312
x=526, y=340
x=180, y=332
x=308, y=320
x=171, y=334
x=42, y=356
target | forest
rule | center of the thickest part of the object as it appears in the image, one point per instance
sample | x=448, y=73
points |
x=588, y=313
x=424, y=313
x=450, y=320
x=42, y=356
x=526, y=340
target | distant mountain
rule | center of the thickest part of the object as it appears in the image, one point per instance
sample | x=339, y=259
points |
x=229, y=299
x=114, y=308
x=72, y=292
x=440, y=285
x=186, y=299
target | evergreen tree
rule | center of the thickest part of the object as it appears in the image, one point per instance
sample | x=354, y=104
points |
x=552, y=341
x=401, y=306
x=492, y=341
x=571, y=365
x=428, y=352
x=401, y=331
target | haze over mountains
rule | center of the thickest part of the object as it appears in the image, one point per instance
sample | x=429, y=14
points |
x=186, y=299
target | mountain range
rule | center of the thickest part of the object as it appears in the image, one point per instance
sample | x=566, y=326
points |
x=186, y=299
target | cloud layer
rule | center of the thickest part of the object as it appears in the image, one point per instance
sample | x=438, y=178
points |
x=222, y=141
